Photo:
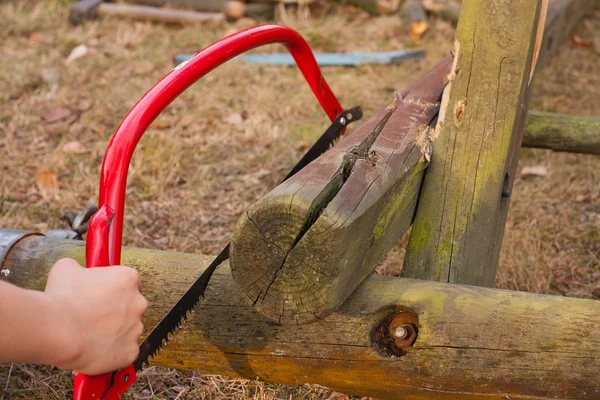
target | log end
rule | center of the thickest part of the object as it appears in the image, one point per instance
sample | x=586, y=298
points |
x=281, y=284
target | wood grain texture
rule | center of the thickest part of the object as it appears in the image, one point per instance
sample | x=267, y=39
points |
x=301, y=250
x=474, y=343
x=562, y=132
x=458, y=229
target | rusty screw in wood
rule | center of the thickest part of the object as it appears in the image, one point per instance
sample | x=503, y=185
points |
x=403, y=329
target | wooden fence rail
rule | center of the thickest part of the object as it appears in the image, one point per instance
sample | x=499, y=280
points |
x=472, y=342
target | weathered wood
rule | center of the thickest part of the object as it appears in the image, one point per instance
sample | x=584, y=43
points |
x=473, y=343
x=233, y=9
x=156, y=14
x=198, y=5
x=562, y=17
x=459, y=225
x=373, y=7
x=448, y=10
x=562, y=132
x=301, y=250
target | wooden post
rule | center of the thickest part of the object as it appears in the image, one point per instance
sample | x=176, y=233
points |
x=472, y=343
x=300, y=251
x=458, y=230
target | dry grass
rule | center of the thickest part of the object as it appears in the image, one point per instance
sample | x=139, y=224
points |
x=194, y=172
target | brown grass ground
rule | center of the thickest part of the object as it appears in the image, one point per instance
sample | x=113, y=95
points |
x=196, y=169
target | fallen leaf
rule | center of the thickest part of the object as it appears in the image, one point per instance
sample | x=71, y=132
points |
x=255, y=177
x=56, y=114
x=583, y=43
x=47, y=183
x=538, y=170
x=84, y=105
x=160, y=125
x=50, y=75
x=582, y=198
x=417, y=30
x=77, y=52
x=187, y=120
x=35, y=36
x=73, y=147
x=234, y=119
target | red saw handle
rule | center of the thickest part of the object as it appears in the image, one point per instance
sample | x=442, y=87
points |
x=106, y=226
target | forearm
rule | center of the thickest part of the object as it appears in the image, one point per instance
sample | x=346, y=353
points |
x=32, y=329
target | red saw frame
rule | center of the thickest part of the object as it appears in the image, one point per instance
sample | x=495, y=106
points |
x=103, y=247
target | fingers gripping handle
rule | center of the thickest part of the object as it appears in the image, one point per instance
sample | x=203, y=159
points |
x=105, y=228
x=112, y=385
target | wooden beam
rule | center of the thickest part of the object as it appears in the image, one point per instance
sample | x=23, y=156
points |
x=233, y=9
x=473, y=343
x=300, y=251
x=373, y=7
x=459, y=225
x=562, y=132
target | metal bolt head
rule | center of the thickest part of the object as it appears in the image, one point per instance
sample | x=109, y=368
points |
x=400, y=332
x=343, y=121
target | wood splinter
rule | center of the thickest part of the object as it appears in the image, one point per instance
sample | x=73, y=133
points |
x=300, y=251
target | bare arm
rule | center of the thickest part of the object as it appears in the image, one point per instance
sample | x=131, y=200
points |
x=87, y=320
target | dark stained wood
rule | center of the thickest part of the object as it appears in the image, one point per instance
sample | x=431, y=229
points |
x=301, y=250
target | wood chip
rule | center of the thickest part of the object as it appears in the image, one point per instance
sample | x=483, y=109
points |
x=73, y=147
x=417, y=30
x=161, y=125
x=56, y=114
x=77, y=52
x=47, y=183
x=538, y=170
x=234, y=119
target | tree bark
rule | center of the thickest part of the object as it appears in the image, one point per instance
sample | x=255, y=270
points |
x=473, y=343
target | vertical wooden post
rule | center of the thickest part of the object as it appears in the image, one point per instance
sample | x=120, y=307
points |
x=458, y=230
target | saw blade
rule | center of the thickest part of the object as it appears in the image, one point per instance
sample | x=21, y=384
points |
x=173, y=320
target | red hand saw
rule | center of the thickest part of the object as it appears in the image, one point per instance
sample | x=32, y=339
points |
x=105, y=228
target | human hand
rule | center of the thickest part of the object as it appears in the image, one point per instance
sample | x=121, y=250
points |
x=100, y=312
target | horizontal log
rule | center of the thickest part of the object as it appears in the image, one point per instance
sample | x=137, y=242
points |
x=156, y=14
x=562, y=132
x=473, y=343
x=232, y=8
x=448, y=10
x=300, y=251
x=373, y=7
